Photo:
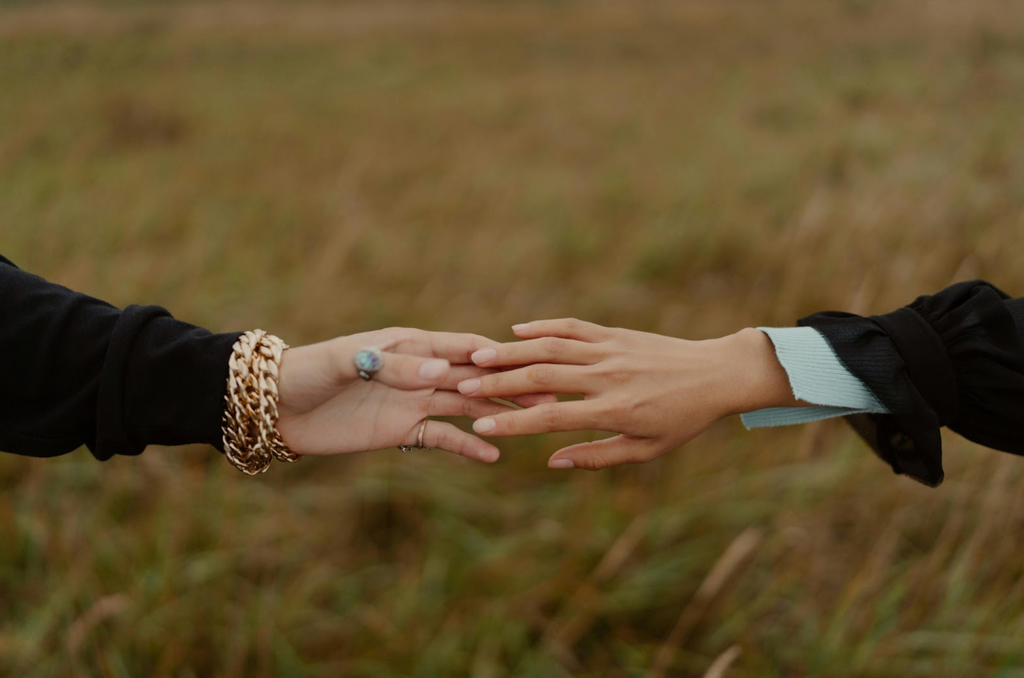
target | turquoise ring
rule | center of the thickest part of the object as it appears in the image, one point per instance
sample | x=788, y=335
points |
x=368, y=362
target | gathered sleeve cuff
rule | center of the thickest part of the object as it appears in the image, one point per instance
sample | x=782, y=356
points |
x=955, y=359
x=162, y=383
x=77, y=371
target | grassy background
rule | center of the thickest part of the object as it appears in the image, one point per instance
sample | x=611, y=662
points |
x=683, y=167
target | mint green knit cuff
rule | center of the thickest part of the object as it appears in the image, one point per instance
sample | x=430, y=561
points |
x=817, y=376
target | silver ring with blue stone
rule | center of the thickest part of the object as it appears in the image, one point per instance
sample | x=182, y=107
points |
x=368, y=362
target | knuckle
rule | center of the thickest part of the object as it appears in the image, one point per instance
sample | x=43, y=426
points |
x=595, y=461
x=491, y=383
x=541, y=375
x=556, y=347
x=620, y=376
x=402, y=334
x=443, y=439
x=617, y=373
x=550, y=417
x=631, y=410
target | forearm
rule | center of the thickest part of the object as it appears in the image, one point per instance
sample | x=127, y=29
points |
x=78, y=371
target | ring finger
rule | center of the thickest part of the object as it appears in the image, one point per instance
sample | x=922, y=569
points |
x=441, y=435
x=450, y=404
x=461, y=373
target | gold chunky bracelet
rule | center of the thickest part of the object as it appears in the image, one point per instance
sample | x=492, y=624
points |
x=251, y=439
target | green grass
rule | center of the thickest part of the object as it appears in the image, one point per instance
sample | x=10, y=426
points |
x=683, y=167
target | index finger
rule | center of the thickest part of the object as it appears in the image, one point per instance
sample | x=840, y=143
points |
x=568, y=328
x=455, y=347
x=553, y=350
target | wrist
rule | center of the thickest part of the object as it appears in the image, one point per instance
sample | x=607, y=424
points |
x=756, y=377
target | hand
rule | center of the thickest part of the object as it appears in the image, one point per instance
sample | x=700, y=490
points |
x=656, y=392
x=326, y=408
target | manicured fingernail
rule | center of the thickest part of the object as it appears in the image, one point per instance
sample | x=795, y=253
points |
x=469, y=386
x=520, y=327
x=560, y=463
x=484, y=425
x=489, y=456
x=484, y=356
x=433, y=369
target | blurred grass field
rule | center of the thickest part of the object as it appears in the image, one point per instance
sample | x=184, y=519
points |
x=686, y=167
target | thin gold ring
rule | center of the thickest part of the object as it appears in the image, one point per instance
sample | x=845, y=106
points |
x=419, y=439
x=419, y=436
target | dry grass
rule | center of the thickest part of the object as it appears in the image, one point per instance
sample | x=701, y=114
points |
x=683, y=167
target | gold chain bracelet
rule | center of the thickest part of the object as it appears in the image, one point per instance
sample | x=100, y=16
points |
x=251, y=438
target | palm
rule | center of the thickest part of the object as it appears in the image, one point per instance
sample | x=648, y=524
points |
x=362, y=416
x=325, y=408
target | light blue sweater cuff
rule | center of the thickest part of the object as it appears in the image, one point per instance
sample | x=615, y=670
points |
x=817, y=376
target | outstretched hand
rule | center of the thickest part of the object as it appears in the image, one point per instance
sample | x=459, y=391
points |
x=656, y=392
x=326, y=408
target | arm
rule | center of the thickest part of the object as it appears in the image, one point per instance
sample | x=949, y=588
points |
x=955, y=358
x=77, y=371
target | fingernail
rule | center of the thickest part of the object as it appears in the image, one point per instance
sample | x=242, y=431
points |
x=560, y=463
x=433, y=369
x=520, y=327
x=484, y=356
x=489, y=456
x=484, y=425
x=469, y=386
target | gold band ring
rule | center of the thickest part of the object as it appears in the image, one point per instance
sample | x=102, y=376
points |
x=419, y=439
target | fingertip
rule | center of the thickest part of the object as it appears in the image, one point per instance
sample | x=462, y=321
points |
x=485, y=425
x=434, y=370
x=469, y=386
x=560, y=463
x=521, y=328
x=490, y=454
x=484, y=356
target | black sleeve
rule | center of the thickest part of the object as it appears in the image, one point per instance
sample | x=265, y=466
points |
x=955, y=358
x=76, y=371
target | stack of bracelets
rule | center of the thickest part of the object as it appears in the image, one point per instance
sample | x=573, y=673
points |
x=251, y=439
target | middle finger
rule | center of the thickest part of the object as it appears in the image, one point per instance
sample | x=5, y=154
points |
x=542, y=378
x=460, y=373
x=545, y=350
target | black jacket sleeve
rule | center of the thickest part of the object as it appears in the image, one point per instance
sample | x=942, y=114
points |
x=76, y=371
x=955, y=359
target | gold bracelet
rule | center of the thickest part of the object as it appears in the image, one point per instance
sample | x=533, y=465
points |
x=251, y=438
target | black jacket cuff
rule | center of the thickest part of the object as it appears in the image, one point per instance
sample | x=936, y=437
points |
x=163, y=383
x=955, y=359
